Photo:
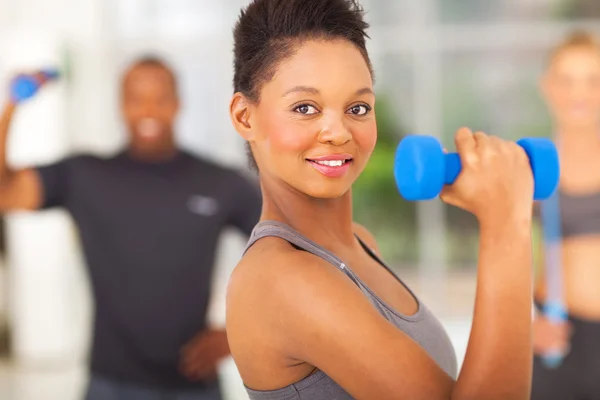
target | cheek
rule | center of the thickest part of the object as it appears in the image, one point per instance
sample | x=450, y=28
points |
x=594, y=92
x=170, y=113
x=365, y=136
x=129, y=112
x=284, y=136
x=134, y=110
x=560, y=97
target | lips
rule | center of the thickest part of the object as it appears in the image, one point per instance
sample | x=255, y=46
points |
x=332, y=166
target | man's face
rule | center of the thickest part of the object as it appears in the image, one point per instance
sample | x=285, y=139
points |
x=150, y=106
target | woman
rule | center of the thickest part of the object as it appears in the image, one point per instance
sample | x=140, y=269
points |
x=312, y=310
x=571, y=87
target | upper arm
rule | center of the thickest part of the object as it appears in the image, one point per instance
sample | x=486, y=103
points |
x=38, y=188
x=21, y=190
x=55, y=182
x=323, y=319
x=247, y=205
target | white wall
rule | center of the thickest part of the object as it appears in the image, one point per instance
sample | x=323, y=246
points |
x=49, y=295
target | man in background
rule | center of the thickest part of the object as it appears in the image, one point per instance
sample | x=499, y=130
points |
x=149, y=219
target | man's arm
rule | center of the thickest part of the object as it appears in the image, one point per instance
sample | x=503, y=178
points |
x=200, y=358
x=19, y=189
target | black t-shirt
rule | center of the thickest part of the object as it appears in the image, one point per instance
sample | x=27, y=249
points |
x=149, y=234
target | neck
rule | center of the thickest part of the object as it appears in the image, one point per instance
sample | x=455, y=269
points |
x=576, y=136
x=325, y=221
x=163, y=154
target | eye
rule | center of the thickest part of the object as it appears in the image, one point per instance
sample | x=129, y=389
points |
x=359, y=109
x=306, y=109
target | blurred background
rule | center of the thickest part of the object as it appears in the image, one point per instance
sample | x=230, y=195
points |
x=440, y=65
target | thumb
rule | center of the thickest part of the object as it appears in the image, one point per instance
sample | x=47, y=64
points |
x=448, y=195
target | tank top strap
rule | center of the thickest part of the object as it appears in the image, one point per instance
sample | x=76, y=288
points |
x=278, y=229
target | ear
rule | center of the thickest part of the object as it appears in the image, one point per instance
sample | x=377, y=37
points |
x=240, y=112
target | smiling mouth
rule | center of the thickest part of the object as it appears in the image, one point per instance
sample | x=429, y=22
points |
x=149, y=128
x=331, y=163
x=331, y=168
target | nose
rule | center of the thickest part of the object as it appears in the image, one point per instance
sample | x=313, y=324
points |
x=151, y=109
x=334, y=131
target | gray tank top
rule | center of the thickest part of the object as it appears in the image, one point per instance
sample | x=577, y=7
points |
x=422, y=326
x=580, y=215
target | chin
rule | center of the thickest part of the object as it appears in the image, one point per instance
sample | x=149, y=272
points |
x=327, y=191
x=580, y=121
x=147, y=138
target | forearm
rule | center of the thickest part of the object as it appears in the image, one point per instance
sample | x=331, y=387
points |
x=498, y=361
x=5, y=122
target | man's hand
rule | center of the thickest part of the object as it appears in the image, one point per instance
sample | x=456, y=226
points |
x=548, y=336
x=25, y=86
x=201, y=355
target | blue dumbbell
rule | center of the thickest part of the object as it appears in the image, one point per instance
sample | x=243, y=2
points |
x=24, y=87
x=421, y=167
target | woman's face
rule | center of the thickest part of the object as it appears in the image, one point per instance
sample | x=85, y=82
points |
x=572, y=87
x=314, y=126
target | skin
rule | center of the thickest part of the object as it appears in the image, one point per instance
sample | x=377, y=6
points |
x=290, y=313
x=571, y=88
x=149, y=105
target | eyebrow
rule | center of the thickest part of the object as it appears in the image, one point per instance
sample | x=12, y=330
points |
x=312, y=90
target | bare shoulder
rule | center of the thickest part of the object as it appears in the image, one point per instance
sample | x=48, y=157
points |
x=273, y=273
x=276, y=299
x=366, y=236
x=270, y=258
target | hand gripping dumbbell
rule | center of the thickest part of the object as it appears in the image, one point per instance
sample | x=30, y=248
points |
x=23, y=87
x=421, y=167
x=556, y=313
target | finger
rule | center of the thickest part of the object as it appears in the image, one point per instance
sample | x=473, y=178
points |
x=206, y=372
x=448, y=196
x=194, y=368
x=463, y=139
x=465, y=146
x=565, y=332
x=495, y=140
x=481, y=139
x=206, y=375
x=195, y=357
x=506, y=147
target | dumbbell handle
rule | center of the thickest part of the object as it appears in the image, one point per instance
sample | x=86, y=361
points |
x=453, y=167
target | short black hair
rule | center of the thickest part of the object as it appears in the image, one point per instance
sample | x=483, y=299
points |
x=269, y=31
x=151, y=60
